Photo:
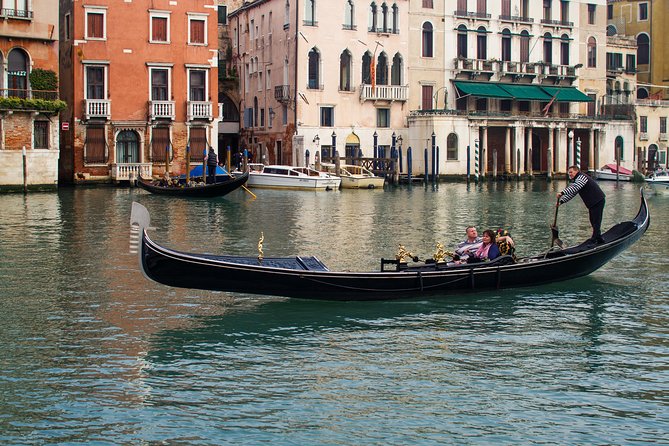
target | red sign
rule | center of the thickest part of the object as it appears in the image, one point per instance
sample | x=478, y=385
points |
x=65, y=126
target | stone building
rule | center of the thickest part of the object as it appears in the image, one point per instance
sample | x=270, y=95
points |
x=140, y=79
x=510, y=87
x=28, y=94
x=321, y=75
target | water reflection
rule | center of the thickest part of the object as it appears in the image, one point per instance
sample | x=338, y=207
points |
x=94, y=352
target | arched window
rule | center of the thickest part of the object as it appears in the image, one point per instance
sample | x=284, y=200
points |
x=396, y=71
x=17, y=73
x=642, y=49
x=372, y=17
x=642, y=93
x=564, y=50
x=592, y=52
x=366, y=68
x=384, y=17
x=349, y=14
x=524, y=46
x=462, y=41
x=127, y=147
x=345, y=71
x=481, y=43
x=548, y=48
x=506, y=44
x=314, y=69
x=427, y=40
x=396, y=19
x=619, y=145
x=382, y=70
x=452, y=147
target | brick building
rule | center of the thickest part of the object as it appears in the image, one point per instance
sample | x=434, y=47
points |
x=28, y=96
x=140, y=80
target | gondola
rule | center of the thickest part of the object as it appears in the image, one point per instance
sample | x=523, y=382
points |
x=224, y=185
x=309, y=278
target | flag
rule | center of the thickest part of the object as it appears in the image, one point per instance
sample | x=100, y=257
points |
x=372, y=74
x=548, y=106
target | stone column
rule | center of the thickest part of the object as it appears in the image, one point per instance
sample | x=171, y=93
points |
x=591, y=150
x=484, y=150
x=549, y=160
x=507, y=152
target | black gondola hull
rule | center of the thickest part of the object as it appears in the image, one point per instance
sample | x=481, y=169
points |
x=220, y=188
x=309, y=279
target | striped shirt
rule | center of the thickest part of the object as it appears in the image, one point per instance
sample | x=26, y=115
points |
x=586, y=188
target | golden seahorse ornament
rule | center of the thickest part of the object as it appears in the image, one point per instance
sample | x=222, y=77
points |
x=260, y=253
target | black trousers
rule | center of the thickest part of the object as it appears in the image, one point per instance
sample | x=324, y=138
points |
x=596, y=213
x=211, y=173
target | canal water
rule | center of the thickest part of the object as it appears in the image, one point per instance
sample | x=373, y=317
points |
x=92, y=352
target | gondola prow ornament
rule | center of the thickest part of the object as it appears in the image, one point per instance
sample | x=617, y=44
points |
x=260, y=253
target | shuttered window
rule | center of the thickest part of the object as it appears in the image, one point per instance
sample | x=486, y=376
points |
x=197, y=31
x=95, y=145
x=41, y=134
x=426, y=103
x=159, y=29
x=160, y=144
x=198, y=143
x=95, y=25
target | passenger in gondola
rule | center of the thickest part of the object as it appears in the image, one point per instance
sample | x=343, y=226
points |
x=467, y=247
x=212, y=163
x=592, y=195
x=488, y=249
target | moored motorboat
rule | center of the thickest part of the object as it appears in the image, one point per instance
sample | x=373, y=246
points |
x=289, y=177
x=307, y=277
x=355, y=177
x=612, y=172
x=659, y=182
x=180, y=187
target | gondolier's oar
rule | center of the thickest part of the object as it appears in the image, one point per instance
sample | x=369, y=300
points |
x=554, y=229
x=247, y=190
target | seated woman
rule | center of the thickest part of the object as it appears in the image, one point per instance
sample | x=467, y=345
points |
x=488, y=250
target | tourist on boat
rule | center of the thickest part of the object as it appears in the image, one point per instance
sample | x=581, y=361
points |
x=488, y=249
x=468, y=246
x=592, y=195
x=212, y=163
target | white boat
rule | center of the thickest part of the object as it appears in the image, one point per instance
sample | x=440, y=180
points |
x=289, y=177
x=608, y=172
x=659, y=182
x=355, y=177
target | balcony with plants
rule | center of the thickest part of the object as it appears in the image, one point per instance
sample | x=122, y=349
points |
x=41, y=95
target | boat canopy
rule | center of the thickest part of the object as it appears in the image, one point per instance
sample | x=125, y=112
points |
x=620, y=169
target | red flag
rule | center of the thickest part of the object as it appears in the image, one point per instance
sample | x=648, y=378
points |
x=372, y=74
x=548, y=106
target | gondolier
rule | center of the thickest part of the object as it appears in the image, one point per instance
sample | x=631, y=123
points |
x=592, y=195
x=212, y=162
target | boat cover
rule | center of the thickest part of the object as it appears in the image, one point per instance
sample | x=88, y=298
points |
x=612, y=167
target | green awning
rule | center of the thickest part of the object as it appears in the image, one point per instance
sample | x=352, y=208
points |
x=526, y=92
x=483, y=90
x=567, y=94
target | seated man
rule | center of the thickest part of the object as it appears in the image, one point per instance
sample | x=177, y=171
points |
x=468, y=247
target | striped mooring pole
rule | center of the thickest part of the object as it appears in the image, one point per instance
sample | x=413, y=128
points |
x=476, y=160
x=578, y=152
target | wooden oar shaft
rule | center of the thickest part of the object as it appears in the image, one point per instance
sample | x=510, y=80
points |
x=247, y=190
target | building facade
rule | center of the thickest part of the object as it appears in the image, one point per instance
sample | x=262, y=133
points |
x=321, y=76
x=141, y=101
x=507, y=88
x=636, y=21
x=29, y=103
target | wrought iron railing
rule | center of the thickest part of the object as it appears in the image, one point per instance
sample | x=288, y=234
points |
x=27, y=93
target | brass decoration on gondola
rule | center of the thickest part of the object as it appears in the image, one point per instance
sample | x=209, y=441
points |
x=440, y=255
x=260, y=253
x=402, y=254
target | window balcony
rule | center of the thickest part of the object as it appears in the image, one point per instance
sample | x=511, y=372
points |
x=561, y=23
x=643, y=136
x=16, y=13
x=130, y=171
x=471, y=15
x=282, y=93
x=161, y=110
x=515, y=18
x=199, y=110
x=384, y=93
x=664, y=137
x=97, y=109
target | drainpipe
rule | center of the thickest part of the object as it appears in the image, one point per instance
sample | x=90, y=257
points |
x=297, y=65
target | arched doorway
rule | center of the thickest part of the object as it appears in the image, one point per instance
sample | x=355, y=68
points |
x=352, y=147
x=127, y=147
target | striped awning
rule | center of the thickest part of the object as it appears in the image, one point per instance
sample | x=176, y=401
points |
x=483, y=90
x=567, y=94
